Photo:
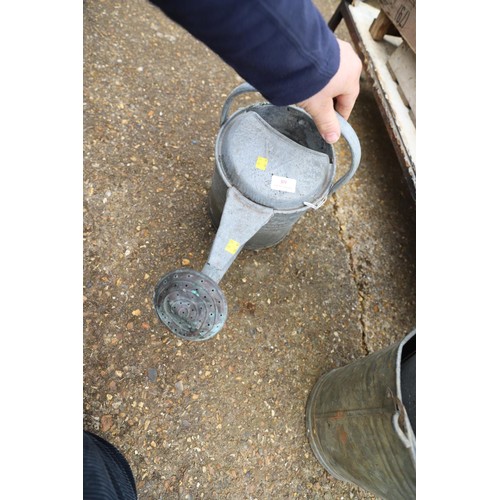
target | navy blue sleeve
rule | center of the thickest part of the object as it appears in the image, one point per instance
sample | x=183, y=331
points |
x=283, y=48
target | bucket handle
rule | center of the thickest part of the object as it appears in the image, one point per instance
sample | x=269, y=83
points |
x=345, y=129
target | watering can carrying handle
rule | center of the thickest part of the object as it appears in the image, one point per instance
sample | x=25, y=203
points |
x=353, y=142
x=345, y=129
x=240, y=89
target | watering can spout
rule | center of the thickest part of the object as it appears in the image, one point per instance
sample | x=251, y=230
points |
x=241, y=219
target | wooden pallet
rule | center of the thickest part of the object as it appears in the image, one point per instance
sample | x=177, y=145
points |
x=390, y=62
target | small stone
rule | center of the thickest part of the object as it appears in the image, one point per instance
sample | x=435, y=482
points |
x=186, y=262
x=106, y=423
x=136, y=312
x=152, y=374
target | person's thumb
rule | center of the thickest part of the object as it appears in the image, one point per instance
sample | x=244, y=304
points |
x=326, y=121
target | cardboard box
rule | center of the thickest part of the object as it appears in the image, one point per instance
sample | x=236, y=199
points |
x=403, y=15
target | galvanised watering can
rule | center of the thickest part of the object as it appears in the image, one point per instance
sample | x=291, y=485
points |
x=271, y=167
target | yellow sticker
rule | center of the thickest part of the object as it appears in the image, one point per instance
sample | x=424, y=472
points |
x=232, y=246
x=261, y=163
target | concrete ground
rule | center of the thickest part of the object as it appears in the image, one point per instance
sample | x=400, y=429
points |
x=222, y=418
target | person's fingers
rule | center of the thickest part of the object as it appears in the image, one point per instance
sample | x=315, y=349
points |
x=344, y=104
x=324, y=117
x=348, y=75
x=339, y=95
x=326, y=120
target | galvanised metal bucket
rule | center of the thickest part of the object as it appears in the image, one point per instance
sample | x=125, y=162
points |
x=361, y=425
x=271, y=166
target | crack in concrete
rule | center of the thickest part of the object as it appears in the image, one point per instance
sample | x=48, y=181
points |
x=354, y=274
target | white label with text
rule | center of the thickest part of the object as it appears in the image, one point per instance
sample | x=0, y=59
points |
x=283, y=184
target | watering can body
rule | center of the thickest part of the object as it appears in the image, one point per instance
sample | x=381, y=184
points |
x=257, y=151
x=275, y=157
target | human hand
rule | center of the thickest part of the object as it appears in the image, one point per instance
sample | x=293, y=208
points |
x=343, y=89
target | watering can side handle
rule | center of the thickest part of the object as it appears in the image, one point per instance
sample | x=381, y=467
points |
x=352, y=140
x=240, y=89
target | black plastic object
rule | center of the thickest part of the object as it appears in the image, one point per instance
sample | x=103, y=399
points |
x=190, y=304
x=106, y=472
x=409, y=381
